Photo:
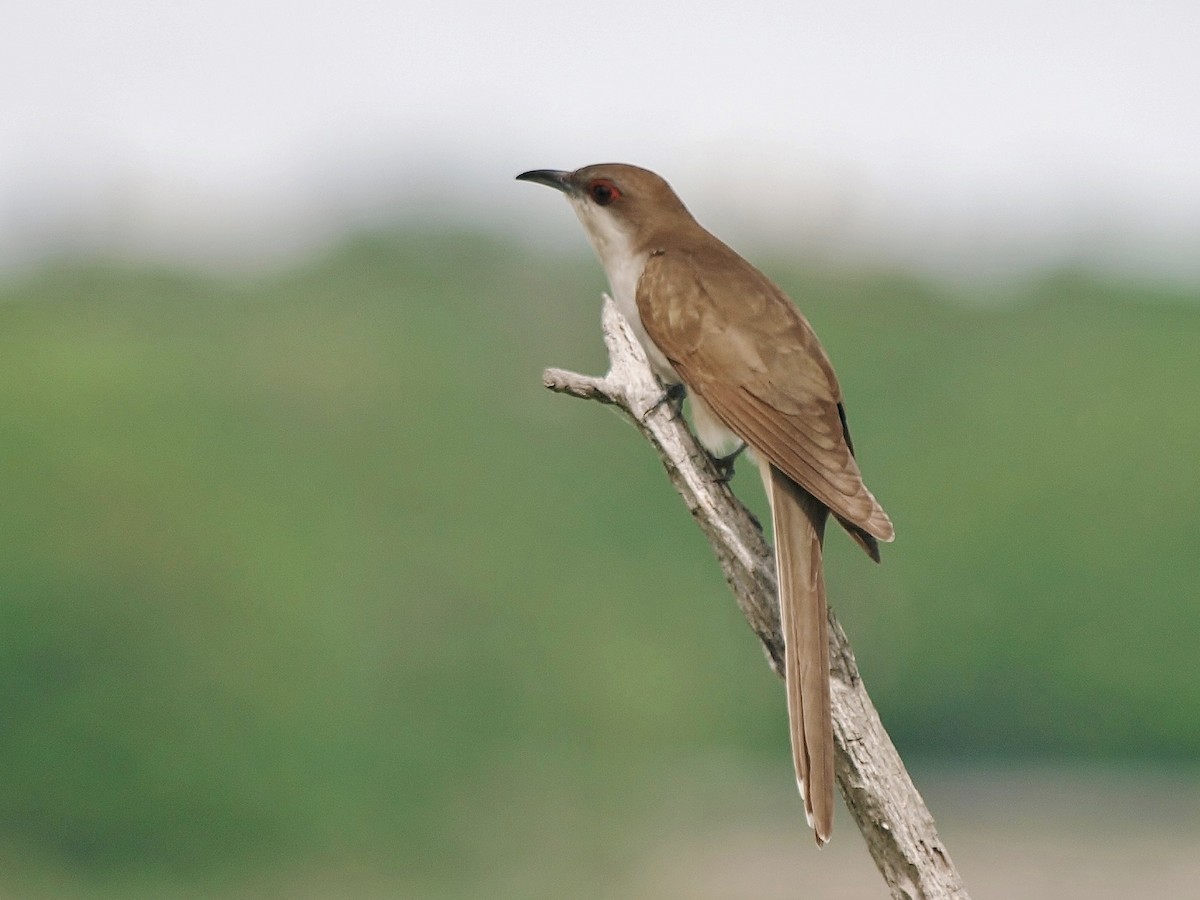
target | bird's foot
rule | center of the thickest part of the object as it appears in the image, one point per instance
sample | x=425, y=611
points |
x=673, y=396
x=724, y=464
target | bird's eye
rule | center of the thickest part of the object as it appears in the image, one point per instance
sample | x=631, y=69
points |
x=604, y=192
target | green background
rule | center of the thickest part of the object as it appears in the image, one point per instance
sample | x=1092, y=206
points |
x=307, y=584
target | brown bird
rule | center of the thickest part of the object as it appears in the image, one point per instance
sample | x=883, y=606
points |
x=757, y=376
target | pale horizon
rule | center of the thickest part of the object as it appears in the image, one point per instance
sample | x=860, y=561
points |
x=984, y=138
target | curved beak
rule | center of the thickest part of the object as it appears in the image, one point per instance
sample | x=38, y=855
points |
x=560, y=181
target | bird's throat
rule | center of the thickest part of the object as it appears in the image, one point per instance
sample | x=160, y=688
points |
x=623, y=263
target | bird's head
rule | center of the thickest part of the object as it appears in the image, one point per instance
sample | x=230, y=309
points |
x=617, y=203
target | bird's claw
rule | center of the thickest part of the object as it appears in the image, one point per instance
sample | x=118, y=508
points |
x=724, y=464
x=673, y=395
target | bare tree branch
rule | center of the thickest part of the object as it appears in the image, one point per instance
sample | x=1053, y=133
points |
x=878, y=791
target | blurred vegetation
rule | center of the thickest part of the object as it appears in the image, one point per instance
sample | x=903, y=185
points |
x=309, y=570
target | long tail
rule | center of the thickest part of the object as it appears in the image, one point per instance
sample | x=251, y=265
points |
x=799, y=531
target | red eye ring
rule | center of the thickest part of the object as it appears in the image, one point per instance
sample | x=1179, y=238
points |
x=603, y=191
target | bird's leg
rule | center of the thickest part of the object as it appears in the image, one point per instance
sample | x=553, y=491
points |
x=674, y=395
x=724, y=464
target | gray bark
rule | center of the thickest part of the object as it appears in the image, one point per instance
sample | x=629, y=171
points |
x=898, y=828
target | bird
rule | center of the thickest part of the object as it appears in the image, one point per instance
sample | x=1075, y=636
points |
x=758, y=379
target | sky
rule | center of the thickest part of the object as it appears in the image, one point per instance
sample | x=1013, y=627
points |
x=959, y=136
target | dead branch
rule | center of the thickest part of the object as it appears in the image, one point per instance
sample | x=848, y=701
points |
x=899, y=831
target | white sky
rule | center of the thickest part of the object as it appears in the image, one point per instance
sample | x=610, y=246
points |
x=956, y=134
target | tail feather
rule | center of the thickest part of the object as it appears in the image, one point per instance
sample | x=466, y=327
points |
x=799, y=520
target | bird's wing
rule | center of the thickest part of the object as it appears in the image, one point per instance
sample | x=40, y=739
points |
x=739, y=343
